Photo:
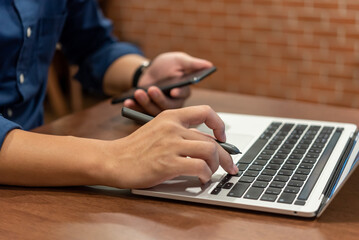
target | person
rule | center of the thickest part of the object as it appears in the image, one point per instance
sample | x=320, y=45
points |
x=155, y=152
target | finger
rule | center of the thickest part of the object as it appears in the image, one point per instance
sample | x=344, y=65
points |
x=202, y=114
x=193, y=167
x=183, y=92
x=145, y=102
x=224, y=158
x=205, y=150
x=191, y=64
x=226, y=161
x=162, y=101
x=129, y=103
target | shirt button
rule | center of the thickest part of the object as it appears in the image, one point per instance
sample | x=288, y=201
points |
x=22, y=78
x=9, y=112
x=28, y=32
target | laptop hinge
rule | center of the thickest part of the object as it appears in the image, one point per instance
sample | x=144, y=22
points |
x=337, y=171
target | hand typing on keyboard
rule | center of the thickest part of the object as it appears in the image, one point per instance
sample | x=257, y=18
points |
x=160, y=150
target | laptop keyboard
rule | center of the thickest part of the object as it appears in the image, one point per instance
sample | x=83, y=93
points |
x=283, y=164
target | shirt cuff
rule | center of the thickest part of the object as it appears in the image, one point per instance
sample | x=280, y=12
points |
x=5, y=127
x=92, y=71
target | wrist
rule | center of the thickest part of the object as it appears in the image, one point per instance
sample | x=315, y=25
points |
x=139, y=72
x=119, y=75
x=110, y=168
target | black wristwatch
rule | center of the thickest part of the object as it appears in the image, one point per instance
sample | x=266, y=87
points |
x=138, y=72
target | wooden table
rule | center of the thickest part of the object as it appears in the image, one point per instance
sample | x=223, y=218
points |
x=107, y=213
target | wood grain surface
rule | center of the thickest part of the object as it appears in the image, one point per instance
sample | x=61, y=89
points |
x=97, y=212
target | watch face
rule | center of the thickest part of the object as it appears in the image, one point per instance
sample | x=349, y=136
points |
x=145, y=65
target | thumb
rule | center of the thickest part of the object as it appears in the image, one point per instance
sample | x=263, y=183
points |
x=190, y=64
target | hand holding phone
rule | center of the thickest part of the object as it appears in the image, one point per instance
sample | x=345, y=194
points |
x=168, y=84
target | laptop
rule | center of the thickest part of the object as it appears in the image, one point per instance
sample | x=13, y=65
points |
x=287, y=166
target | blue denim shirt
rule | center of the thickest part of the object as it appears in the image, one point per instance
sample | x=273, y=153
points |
x=29, y=32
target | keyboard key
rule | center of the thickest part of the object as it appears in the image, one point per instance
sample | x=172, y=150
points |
x=309, y=137
x=250, y=173
x=299, y=202
x=216, y=191
x=296, y=156
x=246, y=179
x=260, y=184
x=264, y=157
x=285, y=172
x=309, y=160
x=280, y=156
x=273, y=167
x=328, y=129
x=227, y=178
x=253, y=151
x=307, y=189
x=260, y=162
x=281, y=178
x=255, y=168
x=224, y=180
x=302, y=146
x=291, y=141
x=271, y=147
x=287, y=198
x=315, y=150
x=289, y=166
x=276, y=184
x=299, y=177
x=269, y=197
x=287, y=127
x=276, y=140
x=254, y=193
x=228, y=185
x=293, y=161
x=306, y=166
x=238, y=190
x=305, y=141
x=318, y=145
x=299, y=151
x=283, y=151
x=276, y=161
x=238, y=174
x=312, y=155
x=302, y=171
x=288, y=146
x=290, y=189
x=267, y=152
x=273, y=191
x=280, y=138
x=295, y=183
x=269, y=172
x=264, y=178
x=242, y=167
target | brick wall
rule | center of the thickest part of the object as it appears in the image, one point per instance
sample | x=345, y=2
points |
x=304, y=50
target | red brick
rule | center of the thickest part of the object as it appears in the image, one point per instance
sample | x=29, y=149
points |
x=292, y=49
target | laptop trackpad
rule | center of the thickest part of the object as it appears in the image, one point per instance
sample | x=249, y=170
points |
x=241, y=141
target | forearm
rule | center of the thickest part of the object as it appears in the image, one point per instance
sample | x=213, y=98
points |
x=118, y=76
x=31, y=159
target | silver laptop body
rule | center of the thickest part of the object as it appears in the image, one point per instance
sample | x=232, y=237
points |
x=288, y=166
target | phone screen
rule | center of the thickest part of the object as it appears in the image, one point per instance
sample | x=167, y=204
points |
x=169, y=83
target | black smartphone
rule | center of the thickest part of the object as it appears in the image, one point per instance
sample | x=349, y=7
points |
x=167, y=84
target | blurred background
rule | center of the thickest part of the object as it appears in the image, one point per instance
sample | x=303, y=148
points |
x=303, y=50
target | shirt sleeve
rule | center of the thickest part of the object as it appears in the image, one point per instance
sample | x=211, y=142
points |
x=87, y=41
x=5, y=127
